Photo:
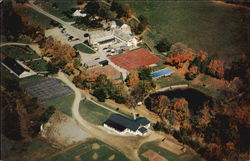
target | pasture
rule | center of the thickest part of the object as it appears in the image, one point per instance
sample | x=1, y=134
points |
x=220, y=30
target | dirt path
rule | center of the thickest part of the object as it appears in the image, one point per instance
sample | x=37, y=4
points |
x=128, y=145
x=13, y=43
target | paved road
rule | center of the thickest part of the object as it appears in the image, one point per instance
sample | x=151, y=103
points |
x=71, y=30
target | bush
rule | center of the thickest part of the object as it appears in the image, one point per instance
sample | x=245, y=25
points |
x=100, y=94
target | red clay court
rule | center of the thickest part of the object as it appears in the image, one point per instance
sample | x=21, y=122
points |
x=135, y=59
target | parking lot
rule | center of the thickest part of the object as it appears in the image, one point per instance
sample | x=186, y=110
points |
x=46, y=89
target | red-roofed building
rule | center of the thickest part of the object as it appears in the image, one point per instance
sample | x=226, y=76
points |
x=135, y=59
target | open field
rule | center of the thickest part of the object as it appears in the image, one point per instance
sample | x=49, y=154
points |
x=61, y=7
x=219, y=30
x=19, y=52
x=170, y=156
x=32, y=17
x=93, y=113
x=83, y=48
x=90, y=151
x=63, y=103
x=35, y=149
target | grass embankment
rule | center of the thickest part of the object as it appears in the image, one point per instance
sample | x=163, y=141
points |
x=16, y=150
x=92, y=150
x=62, y=104
x=217, y=29
x=170, y=156
x=83, y=48
x=33, y=17
x=93, y=113
x=175, y=79
x=19, y=52
x=59, y=7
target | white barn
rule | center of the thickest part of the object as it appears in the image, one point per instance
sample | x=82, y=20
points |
x=123, y=125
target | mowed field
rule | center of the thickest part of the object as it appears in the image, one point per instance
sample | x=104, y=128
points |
x=220, y=30
x=90, y=151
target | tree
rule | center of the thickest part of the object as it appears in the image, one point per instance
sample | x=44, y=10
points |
x=52, y=69
x=12, y=22
x=21, y=1
x=178, y=59
x=159, y=103
x=100, y=94
x=163, y=45
x=216, y=68
x=133, y=79
x=54, y=5
x=145, y=74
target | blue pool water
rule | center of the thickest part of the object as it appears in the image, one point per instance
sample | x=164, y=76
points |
x=162, y=72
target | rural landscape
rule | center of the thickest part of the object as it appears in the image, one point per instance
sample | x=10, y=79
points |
x=114, y=80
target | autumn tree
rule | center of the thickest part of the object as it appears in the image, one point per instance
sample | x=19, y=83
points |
x=159, y=103
x=193, y=72
x=133, y=79
x=178, y=60
x=216, y=68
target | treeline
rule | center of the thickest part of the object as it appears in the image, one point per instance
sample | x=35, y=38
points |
x=139, y=85
x=13, y=28
x=22, y=115
x=61, y=56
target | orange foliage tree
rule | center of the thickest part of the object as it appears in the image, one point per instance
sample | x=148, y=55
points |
x=178, y=59
x=180, y=108
x=133, y=79
x=216, y=68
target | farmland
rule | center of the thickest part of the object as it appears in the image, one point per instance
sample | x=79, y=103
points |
x=220, y=30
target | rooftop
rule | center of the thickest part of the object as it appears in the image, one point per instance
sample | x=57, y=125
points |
x=120, y=122
x=13, y=65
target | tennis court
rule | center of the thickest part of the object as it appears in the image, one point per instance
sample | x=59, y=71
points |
x=162, y=72
x=46, y=89
x=135, y=59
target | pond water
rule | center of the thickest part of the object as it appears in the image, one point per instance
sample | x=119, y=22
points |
x=195, y=98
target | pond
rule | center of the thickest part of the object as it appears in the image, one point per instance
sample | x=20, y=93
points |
x=195, y=98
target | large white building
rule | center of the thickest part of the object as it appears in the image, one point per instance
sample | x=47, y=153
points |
x=123, y=125
x=119, y=34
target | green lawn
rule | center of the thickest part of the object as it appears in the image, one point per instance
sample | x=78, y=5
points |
x=93, y=113
x=62, y=104
x=170, y=156
x=83, y=48
x=85, y=152
x=19, y=52
x=38, y=65
x=62, y=7
x=17, y=150
x=171, y=80
x=217, y=29
x=35, y=18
